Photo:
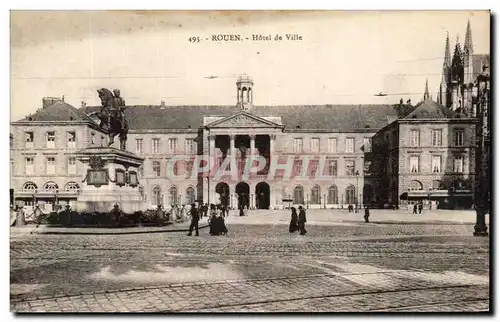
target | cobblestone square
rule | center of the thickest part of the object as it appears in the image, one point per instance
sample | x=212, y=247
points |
x=340, y=265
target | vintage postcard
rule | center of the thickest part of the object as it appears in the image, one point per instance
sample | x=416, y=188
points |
x=250, y=161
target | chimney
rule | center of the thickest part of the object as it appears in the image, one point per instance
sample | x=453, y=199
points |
x=408, y=101
x=162, y=103
x=48, y=101
x=84, y=104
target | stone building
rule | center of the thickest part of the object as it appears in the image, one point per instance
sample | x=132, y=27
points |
x=427, y=156
x=44, y=170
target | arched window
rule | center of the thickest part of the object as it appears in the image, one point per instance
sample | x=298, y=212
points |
x=173, y=195
x=416, y=185
x=316, y=195
x=437, y=185
x=50, y=186
x=350, y=195
x=157, y=199
x=29, y=186
x=298, y=195
x=190, y=195
x=72, y=186
x=333, y=195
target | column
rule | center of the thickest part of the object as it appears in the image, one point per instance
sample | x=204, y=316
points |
x=252, y=144
x=272, y=139
x=211, y=163
x=232, y=149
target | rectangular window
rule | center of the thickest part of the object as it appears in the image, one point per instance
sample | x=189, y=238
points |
x=414, y=167
x=297, y=167
x=349, y=145
x=92, y=138
x=156, y=168
x=332, y=167
x=332, y=145
x=71, y=140
x=172, y=145
x=138, y=146
x=29, y=140
x=189, y=146
x=71, y=165
x=458, y=164
x=414, y=138
x=350, y=167
x=155, y=145
x=297, y=145
x=30, y=165
x=437, y=136
x=436, y=163
x=51, y=165
x=315, y=145
x=459, y=137
x=51, y=140
x=367, y=144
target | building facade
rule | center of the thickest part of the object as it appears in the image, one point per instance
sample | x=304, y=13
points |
x=427, y=156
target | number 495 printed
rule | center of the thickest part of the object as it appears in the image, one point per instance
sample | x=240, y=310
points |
x=194, y=39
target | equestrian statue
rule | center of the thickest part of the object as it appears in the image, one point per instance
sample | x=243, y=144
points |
x=112, y=116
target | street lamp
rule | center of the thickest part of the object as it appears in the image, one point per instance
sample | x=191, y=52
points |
x=482, y=152
x=357, y=191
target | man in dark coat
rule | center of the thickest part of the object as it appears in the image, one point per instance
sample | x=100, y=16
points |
x=367, y=214
x=195, y=217
x=302, y=221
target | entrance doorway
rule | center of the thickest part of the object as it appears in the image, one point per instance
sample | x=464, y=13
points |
x=222, y=189
x=262, y=195
x=243, y=191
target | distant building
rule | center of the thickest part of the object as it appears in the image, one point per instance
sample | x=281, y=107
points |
x=459, y=74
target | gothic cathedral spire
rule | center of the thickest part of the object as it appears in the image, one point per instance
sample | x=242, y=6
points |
x=468, y=47
x=443, y=88
x=426, y=93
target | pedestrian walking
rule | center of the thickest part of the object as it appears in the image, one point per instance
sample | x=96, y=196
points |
x=420, y=207
x=195, y=217
x=367, y=214
x=294, y=221
x=302, y=221
x=415, y=209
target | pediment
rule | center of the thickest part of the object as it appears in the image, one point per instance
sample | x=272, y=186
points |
x=243, y=120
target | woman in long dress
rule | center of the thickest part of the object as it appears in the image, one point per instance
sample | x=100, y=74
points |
x=294, y=221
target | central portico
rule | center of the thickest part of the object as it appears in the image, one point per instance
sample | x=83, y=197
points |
x=240, y=137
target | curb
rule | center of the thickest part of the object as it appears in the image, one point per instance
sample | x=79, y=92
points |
x=113, y=233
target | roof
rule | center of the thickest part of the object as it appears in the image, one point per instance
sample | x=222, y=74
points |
x=59, y=111
x=318, y=117
x=429, y=109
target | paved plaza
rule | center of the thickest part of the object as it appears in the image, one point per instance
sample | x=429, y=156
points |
x=398, y=262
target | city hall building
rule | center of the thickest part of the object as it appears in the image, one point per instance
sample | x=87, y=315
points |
x=381, y=155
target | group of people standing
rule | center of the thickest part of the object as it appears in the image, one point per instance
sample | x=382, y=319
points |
x=215, y=221
x=298, y=221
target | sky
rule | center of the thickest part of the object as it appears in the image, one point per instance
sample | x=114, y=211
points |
x=343, y=57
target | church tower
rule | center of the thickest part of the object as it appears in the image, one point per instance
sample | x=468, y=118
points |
x=444, y=98
x=426, y=93
x=457, y=78
x=244, y=87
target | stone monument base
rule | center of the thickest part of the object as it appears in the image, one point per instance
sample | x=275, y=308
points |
x=129, y=202
x=111, y=179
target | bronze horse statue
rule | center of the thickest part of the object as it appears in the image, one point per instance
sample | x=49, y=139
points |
x=111, y=117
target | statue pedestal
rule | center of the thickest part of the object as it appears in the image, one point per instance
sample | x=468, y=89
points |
x=110, y=179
